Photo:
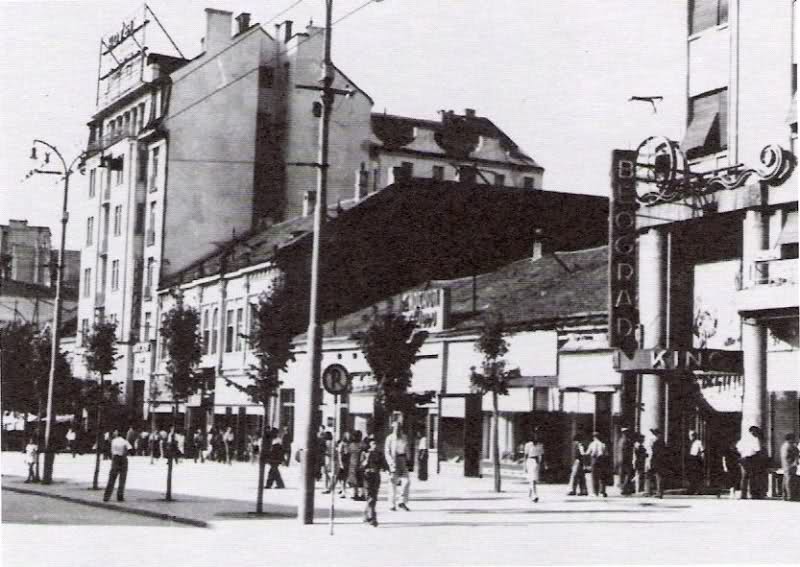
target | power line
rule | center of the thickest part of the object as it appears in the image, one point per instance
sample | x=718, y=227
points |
x=282, y=12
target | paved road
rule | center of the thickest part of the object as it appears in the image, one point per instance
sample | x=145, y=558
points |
x=31, y=509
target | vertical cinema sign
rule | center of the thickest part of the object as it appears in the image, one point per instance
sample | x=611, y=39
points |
x=623, y=314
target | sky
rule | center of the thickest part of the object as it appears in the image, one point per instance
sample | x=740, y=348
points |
x=555, y=75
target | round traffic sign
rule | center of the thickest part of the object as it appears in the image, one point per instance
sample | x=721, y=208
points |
x=336, y=379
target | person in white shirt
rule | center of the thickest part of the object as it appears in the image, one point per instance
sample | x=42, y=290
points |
x=119, y=467
x=694, y=463
x=396, y=453
x=31, y=456
x=597, y=452
x=71, y=445
x=749, y=448
x=534, y=462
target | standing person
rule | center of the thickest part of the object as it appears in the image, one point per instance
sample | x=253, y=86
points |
x=625, y=462
x=396, y=454
x=372, y=462
x=119, y=467
x=152, y=443
x=107, y=444
x=694, y=463
x=227, y=440
x=199, y=446
x=286, y=441
x=730, y=469
x=749, y=448
x=275, y=459
x=31, y=455
x=255, y=448
x=72, y=444
x=323, y=459
x=130, y=436
x=577, y=477
x=422, y=458
x=597, y=452
x=343, y=457
x=657, y=461
x=534, y=462
x=211, y=439
x=639, y=460
x=355, y=476
x=790, y=459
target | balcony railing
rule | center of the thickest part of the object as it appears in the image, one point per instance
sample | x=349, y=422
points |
x=774, y=272
x=110, y=138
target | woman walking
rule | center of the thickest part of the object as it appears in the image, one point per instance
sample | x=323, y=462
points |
x=534, y=460
x=355, y=476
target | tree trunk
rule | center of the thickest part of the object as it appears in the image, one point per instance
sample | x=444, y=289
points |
x=98, y=437
x=171, y=451
x=496, y=442
x=38, y=439
x=262, y=460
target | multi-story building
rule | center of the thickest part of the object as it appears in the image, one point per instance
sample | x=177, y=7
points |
x=25, y=252
x=186, y=154
x=718, y=248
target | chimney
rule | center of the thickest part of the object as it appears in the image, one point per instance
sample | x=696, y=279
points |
x=287, y=31
x=469, y=112
x=243, y=20
x=538, y=237
x=218, y=29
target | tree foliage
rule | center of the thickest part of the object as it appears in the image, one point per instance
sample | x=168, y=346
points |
x=493, y=346
x=101, y=348
x=180, y=330
x=390, y=346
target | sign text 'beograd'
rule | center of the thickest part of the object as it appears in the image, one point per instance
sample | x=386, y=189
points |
x=623, y=312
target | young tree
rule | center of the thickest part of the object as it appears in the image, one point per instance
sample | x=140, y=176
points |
x=494, y=378
x=390, y=346
x=270, y=338
x=180, y=330
x=101, y=358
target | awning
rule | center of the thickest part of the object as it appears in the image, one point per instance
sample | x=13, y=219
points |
x=699, y=130
x=788, y=234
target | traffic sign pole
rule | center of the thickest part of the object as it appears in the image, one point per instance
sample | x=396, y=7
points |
x=334, y=472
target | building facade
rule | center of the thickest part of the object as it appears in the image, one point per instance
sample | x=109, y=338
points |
x=25, y=252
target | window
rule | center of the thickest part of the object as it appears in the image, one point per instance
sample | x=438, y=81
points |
x=499, y=180
x=146, y=336
x=92, y=183
x=117, y=220
x=239, y=323
x=149, y=277
x=253, y=319
x=438, y=172
x=115, y=275
x=154, y=170
x=84, y=330
x=151, y=231
x=87, y=281
x=205, y=332
x=229, y=330
x=705, y=14
x=120, y=170
x=89, y=231
x=527, y=182
x=214, y=332
x=141, y=115
x=707, y=131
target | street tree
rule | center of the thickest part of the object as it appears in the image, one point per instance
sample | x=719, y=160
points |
x=274, y=323
x=182, y=342
x=101, y=359
x=494, y=377
x=390, y=346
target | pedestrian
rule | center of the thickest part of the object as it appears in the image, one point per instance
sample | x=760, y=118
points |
x=343, y=462
x=355, y=474
x=422, y=458
x=730, y=469
x=227, y=441
x=255, y=445
x=106, y=449
x=790, y=459
x=534, y=462
x=694, y=463
x=286, y=441
x=211, y=439
x=639, y=460
x=372, y=462
x=119, y=467
x=153, y=444
x=323, y=459
x=656, y=463
x=130, y=436
x=31, y=456
x=72, y=441
x=577, y=477
x=180, y=446
x=199, y=445
x=396, y=454
x=749, y=449
x=625, y=462
x=597, y=452
x=275, y=459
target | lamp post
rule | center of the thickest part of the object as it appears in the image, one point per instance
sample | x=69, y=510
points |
x=66, y=171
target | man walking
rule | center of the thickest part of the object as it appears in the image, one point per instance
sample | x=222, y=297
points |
x=396, y=452
x=598, y=452
x=625, y=462
x=694, y=463
x=372, y=462
x=275, y=459
x=119, y=467
x=790, y=455
x=577, y=478
x=749, y=448
x=656, y=461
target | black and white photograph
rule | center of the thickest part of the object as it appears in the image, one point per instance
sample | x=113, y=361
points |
x=399, y=282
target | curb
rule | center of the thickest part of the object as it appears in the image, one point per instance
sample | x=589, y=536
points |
x=110, y=506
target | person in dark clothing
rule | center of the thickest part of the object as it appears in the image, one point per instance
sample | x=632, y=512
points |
x=275, y=459
x=119, y=467
x=625, y=462
x=639, y=460
x=577, y=480
x=657, y=463
x=372, y=462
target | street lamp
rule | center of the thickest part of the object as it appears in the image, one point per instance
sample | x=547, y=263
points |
x=65, y=171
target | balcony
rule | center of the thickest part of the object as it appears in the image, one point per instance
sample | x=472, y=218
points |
x=107, y=140
x=769, y=284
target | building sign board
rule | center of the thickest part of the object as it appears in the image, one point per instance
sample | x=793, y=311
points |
x=429, y=308
x=623, y=312
x=661, y=360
